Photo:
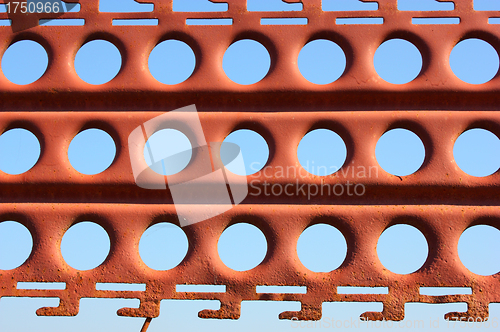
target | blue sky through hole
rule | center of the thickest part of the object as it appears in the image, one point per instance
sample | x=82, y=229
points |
x=400, y=152
x=315, y=242
x=88, y=238
x=92, y=158
x=168, y=151
x=242, y=247
x=163, y=246
x=172, y=62
x=321, y=61
x=167, y=239
x=398, y=61
x=402, y=249
x=98, y=62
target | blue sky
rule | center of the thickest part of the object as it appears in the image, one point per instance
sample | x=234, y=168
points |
x=402, y=249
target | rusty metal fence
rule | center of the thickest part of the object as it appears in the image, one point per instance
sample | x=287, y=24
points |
x=439, y=199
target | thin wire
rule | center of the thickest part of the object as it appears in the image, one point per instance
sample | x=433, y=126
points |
x=146, y=324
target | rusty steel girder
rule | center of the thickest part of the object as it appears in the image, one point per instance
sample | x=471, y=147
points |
x=439, y=199
x=282, y=225
x=283, y=89
x=438, y=181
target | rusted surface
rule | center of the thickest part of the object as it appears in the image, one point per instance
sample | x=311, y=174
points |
x=283, y=89
x=282, y=225
x=52, y=196
x=439, y=199
x=438, y=181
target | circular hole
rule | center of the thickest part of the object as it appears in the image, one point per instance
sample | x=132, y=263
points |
x=91, y=151
x=402, y=249
x=478, y=249
x=477, y=152
x=172, y=62
x=168, y=151
x=98, y=62
x=400, y=152
x=85, y=246
x=321, y=61
x=242, y=247
x=398, y=61
x=16, y=244
x=322, y=152
x=246, y=62
x=322, y=248
x=254, y=152
x=24, y=62
x=474, y=61
x=163, y=246
x=19, y=151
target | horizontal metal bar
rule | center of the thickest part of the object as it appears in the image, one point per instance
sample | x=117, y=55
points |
x=283, y=89
x=281, y=225
x=438, y=181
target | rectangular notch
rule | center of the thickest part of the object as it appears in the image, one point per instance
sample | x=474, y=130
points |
x=41, y=285
x=140, y=21
x=200, y=288
x=425, y=5
x=199, y=6
x=120, y=287
x=440, y=291
x=57, y=22
x=359, y=20
x=281, y=289
x=209, y=21
x=435, y=20
x=284, y=21
x=348, y=5
x=362, y=290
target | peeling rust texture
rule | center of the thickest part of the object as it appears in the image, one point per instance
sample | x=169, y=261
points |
x=439, y=199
